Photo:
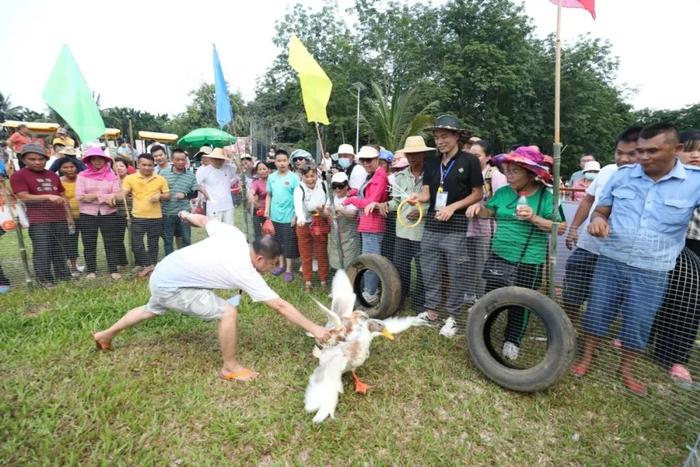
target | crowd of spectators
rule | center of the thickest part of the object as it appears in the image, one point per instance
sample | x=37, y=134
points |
x=456, y=220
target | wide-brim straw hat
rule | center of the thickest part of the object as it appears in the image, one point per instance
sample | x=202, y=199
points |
x=528, y=158
x=415, y=144
x=203, y=151
x=217, y=153
x=68, y=151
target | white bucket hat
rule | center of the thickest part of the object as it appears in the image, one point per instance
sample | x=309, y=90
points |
x=367, y=152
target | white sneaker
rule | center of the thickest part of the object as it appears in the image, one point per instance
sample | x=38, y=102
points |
x=450, y=328
x=370, y=298
x=91, y=276
x=469, y=298
x=80, y=268
x=510, y=350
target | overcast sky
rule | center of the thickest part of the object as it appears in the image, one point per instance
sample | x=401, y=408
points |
x=149, y=54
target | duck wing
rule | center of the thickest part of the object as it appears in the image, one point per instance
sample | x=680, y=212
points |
x=325, y=385
x=343, y=295
x=396, y=325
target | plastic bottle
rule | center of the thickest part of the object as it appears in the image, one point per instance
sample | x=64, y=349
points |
x=522, y=201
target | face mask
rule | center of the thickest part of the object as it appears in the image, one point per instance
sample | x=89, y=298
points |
x=590, y=176
x=344, y=162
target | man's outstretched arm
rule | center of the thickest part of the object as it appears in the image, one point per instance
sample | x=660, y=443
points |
x=198, y=220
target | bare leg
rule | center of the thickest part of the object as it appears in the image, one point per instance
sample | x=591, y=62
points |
x=581, y=367
x=227, y=342
x=131, y=318
x=289, y=264
x=628, y=358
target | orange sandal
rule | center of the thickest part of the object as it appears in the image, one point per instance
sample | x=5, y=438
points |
x=245, y=374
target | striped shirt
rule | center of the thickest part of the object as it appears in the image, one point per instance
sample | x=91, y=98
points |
x=178, y=182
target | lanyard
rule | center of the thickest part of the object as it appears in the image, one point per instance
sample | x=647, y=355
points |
x=444, y=173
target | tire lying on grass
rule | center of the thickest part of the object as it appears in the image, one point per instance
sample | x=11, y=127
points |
x=389, y=284
x=560, y=334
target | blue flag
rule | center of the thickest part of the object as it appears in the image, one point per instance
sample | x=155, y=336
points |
x=224, y=115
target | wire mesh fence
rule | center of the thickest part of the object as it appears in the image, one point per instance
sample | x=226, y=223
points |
x=637, y=325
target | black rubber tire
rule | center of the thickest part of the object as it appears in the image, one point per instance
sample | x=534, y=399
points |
x=561, y=340
x=390, y=297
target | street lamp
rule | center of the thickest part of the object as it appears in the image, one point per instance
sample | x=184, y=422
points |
x=360, y=87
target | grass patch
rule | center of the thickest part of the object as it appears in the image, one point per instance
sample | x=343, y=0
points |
x=156, y=398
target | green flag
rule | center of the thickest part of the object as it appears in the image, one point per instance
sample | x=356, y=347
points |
x=67, y=93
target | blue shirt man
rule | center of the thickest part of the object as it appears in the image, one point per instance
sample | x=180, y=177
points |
x=641, y=221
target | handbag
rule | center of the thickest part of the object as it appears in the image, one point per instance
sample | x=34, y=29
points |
x=501, y=271
x=319, y=226
x=268, y=228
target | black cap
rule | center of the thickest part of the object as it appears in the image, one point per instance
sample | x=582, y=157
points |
x=447, y=122
x=33, y=148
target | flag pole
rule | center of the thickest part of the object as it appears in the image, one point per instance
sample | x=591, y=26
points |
x=557, y=158
x=331, y=207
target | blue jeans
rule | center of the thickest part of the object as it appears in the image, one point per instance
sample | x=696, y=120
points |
x=371, y=243
x=642, y=292
x=173, y=226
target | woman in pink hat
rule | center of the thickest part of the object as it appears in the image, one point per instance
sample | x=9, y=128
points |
x=98, y=190
x=523, y=212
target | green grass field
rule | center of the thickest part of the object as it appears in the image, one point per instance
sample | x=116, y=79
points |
x=156, y=399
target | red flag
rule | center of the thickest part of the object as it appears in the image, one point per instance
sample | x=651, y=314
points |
x=588, y=5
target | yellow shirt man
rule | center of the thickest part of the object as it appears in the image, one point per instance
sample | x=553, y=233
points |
x=143, y=190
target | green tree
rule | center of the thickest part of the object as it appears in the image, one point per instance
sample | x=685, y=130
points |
x=201, y=113
x=685, y=118
x=7, y=110
x=391, y=121
x=118, y=117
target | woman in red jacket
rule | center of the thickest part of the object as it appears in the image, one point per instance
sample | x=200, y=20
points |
x=371, y=224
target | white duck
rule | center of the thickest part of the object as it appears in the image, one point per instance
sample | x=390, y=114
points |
x=347, y=349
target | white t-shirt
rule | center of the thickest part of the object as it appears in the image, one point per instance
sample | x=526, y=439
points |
x=218, y=183
x=221, y=261
x=357, y=177
x=306, y=199
x=585, y=240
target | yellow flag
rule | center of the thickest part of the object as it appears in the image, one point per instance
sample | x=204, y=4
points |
x=315, y=84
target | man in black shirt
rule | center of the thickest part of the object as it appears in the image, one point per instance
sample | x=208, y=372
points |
x=451, y=183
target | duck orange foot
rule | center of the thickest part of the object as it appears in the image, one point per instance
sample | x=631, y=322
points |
x=360, y=387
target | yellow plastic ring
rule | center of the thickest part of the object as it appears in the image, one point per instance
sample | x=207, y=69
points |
x=400, y=219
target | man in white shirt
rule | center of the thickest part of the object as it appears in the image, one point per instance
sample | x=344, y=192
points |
x=355, y=172
x=184, y=281
x=216, y=180
x=581, y=263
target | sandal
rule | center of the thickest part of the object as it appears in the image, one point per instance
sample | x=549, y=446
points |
x=244, y=374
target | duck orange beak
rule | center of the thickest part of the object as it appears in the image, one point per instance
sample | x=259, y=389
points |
x=387, y=334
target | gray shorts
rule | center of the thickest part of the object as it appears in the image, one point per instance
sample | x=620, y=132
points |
x=202, y=303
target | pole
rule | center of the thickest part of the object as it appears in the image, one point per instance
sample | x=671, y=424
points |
x=331, y=208
x=357, y=122
x=12, y=199
x=131, y=133
x=557, y=159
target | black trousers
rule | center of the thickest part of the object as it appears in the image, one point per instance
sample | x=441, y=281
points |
x=49, y=251
x=407, y=250
x=678, y=320
x=119, y=248
x=524, y=275
x=152, y=230
x=3, y=278
x=107, y=227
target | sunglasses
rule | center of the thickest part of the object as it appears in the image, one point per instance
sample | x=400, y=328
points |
x=366, y=161
x=339, y=186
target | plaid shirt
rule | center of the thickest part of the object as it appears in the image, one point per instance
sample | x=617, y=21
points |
x=694, y=226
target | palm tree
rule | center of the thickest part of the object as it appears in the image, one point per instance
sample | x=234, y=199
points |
x=391, y=121
x=7, y=111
